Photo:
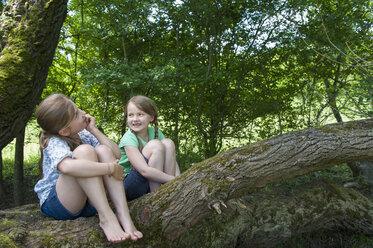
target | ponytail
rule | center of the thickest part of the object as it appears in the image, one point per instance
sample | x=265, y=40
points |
x=155, y=127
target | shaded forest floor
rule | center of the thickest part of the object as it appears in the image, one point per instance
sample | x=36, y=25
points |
x=29, y=196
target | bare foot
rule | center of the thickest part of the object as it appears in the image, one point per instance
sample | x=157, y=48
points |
x=113, y=231
x=130, y=228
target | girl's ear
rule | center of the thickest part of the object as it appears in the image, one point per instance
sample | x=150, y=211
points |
x=152, y=118
x=64, y=132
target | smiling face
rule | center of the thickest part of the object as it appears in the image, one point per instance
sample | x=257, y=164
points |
x=137, y=119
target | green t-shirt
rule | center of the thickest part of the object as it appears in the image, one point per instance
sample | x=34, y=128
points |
x=129, y=139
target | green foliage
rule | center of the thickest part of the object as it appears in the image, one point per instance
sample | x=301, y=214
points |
x=30, y=164
x=222, y=73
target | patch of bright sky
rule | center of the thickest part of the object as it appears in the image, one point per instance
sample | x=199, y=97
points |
x=155, y=10
x=282, y=18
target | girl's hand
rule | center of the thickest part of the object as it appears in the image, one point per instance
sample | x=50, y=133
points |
x=91, y=122
x=118, y=172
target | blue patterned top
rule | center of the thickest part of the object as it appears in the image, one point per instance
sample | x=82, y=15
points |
x=53, y=154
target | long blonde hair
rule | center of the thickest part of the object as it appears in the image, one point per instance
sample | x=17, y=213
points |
x=148, y=106
x=53, y=114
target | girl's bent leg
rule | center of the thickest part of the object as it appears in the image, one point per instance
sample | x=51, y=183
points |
x=117, y=195
x=155, y=152
x=70, y=193
x=70, y=189
x=170, y=165
x=94, y=188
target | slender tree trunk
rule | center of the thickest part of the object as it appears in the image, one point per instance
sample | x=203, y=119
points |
x=354, y=166
x=18, y=169
x=332, y=100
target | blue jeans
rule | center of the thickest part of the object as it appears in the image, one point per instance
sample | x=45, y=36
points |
x=52, y=207
x=135, y=185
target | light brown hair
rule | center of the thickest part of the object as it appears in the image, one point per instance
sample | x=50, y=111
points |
x=53, y=114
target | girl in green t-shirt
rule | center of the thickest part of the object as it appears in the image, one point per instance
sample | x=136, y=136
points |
x=148, y=158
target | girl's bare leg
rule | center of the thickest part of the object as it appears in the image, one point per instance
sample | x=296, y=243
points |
x=170, y=165
x=177, y=171
x=73, y=192
x=154, y=151
x=117, y=195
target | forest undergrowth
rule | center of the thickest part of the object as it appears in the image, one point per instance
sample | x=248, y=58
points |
x=31, y=176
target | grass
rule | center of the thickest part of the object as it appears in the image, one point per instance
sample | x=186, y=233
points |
x=30, y=173
x=30, y=167
x=30, y=161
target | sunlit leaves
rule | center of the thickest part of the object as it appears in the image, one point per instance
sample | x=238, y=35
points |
x=222, y=73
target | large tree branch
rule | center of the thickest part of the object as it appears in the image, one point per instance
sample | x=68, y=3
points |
x=181, y=203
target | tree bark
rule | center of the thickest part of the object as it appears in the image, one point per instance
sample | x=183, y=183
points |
x=264, y=218
x=217, y=203
x=29, y=31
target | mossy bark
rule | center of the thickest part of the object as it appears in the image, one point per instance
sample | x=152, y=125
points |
x=29, y=33
x=218, y=202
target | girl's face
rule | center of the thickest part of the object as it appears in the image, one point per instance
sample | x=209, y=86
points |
x=79, y=123
x=137, y=119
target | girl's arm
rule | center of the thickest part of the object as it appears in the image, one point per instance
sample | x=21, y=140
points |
x=138, y=162
x=88, y=168
x=91, y=127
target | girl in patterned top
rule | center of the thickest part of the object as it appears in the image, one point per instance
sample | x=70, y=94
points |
x=78, y=165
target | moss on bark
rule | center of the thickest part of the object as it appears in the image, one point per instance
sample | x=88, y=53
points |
x=29, y=36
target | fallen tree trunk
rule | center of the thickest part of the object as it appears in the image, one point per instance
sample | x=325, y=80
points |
x=208, y=205
x=270, y=217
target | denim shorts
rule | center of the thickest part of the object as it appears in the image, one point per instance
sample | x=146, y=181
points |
x=52, y=207
x=135, y=185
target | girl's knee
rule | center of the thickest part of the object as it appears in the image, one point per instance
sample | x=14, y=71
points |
x=168, y=144
x=104, y=153
x=85, y=151
x=154, y=146
x=102, y=149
